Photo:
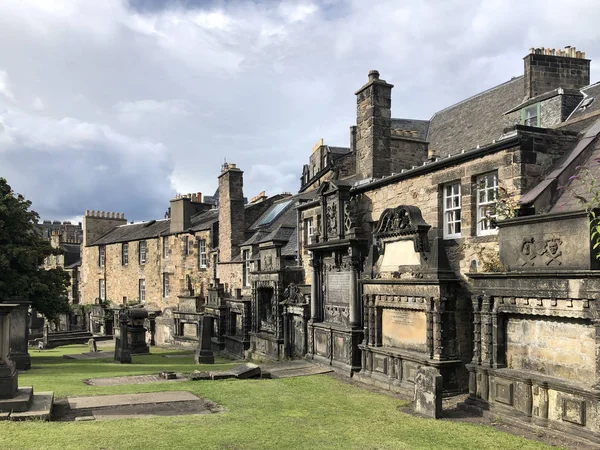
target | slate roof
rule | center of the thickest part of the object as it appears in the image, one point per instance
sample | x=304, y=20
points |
x=134, y=232
x=420, y=126
x=204, y=220
x=477, y=120
x=72, y=253
x=590, y=92
x=339, y=150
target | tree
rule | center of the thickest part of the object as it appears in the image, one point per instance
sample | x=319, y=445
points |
x=22, y=253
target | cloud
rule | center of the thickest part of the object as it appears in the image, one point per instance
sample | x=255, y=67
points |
x=5, y=86
x=143, y=97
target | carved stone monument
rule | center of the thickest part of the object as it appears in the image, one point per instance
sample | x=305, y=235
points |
x=19, y=334
x=122, y=347
x=204, y=353
x=17, y=403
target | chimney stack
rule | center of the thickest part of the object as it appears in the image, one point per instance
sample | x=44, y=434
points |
x=548, y=69
x=373, y=124
x=232, y=221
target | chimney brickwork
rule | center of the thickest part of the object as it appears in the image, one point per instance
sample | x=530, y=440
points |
x=373, y=127
x=232, y=223
x=97, y=223
x=548, y=69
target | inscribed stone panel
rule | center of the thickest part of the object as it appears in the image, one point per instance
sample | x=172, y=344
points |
x=553, y=347
x=338, y=288
x=405, y=329
x=400, y=253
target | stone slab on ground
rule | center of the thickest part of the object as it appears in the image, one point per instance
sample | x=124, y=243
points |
x=41, y=408
x=4, y=416
x=20, y=402
x=187, y=355
x=299, y=372
x=131, y=379
x=101, y=401
x=244, y=371
x=90, y=355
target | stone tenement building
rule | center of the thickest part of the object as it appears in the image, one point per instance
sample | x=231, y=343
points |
x=449, y=243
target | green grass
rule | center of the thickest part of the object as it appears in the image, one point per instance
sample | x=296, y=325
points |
x=316, y=412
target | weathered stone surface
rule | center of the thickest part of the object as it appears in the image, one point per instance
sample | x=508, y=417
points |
x=198, y=375
x=92, y=345
x=129, y=399
x=204, y=353
x=428, y=392
x=243, y=371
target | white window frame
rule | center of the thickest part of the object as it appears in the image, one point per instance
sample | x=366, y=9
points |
x=142, y=250
x=101, y=256
x=166, y=285
x=102, y=289
x=452, y=210
x=125, y=253
x=310, y=230
x=142, y=290
x=202, y=255
x=487, y=195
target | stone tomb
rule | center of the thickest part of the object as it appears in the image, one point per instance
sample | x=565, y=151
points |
x=17, y=403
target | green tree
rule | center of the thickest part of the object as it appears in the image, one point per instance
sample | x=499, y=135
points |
x=22, y=253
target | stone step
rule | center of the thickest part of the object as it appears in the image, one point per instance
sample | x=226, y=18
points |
x=20, y=402
x=41, y=408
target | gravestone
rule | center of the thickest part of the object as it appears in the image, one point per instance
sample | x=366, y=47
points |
x=244, y=371
x=92, y=346
x=122, y=347
x=428, y=392
x=19, y=334
x=8, y=370
x=204, y=353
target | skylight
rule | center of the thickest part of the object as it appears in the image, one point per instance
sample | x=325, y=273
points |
x=274, y=212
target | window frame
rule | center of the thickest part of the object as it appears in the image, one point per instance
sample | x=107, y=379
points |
x=142, y=290
x=102, y=289
x=202, y=254
x=142, y=245
x=246, y=268
x=125, y=253
x=187, y=251
x=446, y=210
x=310, y=230
x=101, y=256
x=482, y=228
x=165, y=247
x=524, y=117
x=166, y=285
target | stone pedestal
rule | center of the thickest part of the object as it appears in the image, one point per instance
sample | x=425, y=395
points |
x=122, y=347
x=19, y=334
x=428, y=392
x=204, y=353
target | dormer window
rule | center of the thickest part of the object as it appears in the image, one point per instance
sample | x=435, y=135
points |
x=530, y=115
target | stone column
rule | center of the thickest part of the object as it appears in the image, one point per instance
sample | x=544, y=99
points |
x=354, y=307
x=19, y=334
x=476, y=331
x=314, y=289
x=486, y=332
x=286, y=334
x=438, y=344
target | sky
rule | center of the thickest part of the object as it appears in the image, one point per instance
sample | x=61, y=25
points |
x=118, y=105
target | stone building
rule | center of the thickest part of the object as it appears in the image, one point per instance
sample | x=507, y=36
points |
x=445, y=243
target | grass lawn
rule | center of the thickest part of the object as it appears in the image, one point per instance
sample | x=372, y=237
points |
x=306, y=412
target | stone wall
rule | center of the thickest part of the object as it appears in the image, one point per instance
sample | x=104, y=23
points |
x=544, y=72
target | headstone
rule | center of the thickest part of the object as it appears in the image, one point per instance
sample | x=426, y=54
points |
x=244, y=371
x=92, y=345
x=19, y=334
x=204, y=353
x=8, y=371
x=122, y=348
x=428, y=392
x=198, y=375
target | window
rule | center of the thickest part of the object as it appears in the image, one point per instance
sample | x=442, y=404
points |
x=452, y=210
x=142, y=251
x=102, y=289
x=101, y=255
x=202, y=254
x=186, y=245
x=487, y=193
x=166, y=286
x=310, y=230
x=142, y=290
x=165, y=247
x=125, y=254
x=530, y=115
x=246, y=274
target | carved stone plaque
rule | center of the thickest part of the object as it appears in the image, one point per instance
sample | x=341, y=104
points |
x=338, y=288
x=404, y=328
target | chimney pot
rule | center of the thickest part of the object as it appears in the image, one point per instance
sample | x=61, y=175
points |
x=373, y=75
